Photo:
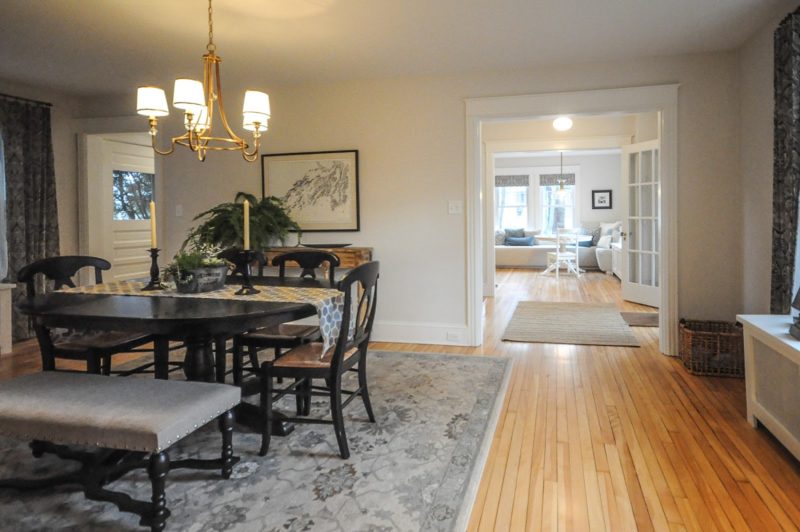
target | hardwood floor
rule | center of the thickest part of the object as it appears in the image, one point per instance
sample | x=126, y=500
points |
x=608, y=438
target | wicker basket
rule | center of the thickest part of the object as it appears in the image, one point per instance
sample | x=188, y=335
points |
x=712, y=348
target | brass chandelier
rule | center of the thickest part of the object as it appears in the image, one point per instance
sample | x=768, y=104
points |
x=197, y=101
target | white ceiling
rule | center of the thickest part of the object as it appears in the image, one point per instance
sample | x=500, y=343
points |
x=109, y=46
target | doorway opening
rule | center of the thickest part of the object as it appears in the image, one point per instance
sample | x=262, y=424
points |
x=645, y=188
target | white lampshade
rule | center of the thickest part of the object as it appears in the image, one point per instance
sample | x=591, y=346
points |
x=256, y=103
x=188, y=95
x=250, y=120
x=200, y=120
x=562, y=123
x=151, y=101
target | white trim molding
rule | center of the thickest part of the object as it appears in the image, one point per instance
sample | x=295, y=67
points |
x=409, y=332
x=661, y=98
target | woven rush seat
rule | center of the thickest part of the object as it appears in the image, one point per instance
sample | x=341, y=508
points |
x=284, y=331
x=85, y=340
x=118, y=413
x=309, y=356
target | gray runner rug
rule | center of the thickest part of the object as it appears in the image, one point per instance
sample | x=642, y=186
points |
x=569, y=323
x=417, y=468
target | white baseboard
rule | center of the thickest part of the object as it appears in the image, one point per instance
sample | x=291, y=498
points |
x=420, y=333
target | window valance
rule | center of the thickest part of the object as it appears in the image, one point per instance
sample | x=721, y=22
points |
x=548, y=180
x=522, y=180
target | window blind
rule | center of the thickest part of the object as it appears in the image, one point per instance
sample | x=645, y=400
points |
x=548, y=180
x=512, y=180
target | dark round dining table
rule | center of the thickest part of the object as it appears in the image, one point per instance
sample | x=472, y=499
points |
x=199, y=323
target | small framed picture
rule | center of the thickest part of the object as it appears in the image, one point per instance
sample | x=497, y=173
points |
x=601, y=199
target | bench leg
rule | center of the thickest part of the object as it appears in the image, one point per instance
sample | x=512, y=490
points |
x=226, y=427
x=157, y=471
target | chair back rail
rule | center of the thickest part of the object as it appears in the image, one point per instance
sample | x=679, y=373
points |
x=309, y=261
x=362, y=280
x=61, y=270
x=235, y=255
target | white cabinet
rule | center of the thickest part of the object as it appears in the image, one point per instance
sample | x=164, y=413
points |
x=772, y=377
x=616, y=259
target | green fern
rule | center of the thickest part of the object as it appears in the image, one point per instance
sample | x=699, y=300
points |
x=224, y=224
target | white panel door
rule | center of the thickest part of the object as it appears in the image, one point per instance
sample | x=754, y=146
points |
x=641, y=242
x=131, y=182
x=120, y=183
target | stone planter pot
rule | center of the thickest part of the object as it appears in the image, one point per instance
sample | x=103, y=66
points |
x=204, y=280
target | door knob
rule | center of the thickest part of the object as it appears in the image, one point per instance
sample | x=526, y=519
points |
x=624, y=235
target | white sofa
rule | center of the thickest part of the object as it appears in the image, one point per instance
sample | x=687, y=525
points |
x=536, y=256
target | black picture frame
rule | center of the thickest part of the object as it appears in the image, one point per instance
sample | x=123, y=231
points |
x=602, y=199
x=277, y=179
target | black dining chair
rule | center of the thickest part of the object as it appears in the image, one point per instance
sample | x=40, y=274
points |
x=307, y=362
x=95, y=347
x=284, y=335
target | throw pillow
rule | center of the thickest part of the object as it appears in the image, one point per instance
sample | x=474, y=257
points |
x=596, y=236
x=519, y=241
x=532, y=232
x=515, y=233
x=608, y=228
x=585, y=243
x=499, y=238
x=604, y=242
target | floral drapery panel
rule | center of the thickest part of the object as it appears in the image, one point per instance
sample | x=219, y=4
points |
x=786, y=170
x=32, y=213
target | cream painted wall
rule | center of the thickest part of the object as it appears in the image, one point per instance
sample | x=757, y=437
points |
x=410, y=133
x=757, y=105
x=597, y=172
x=62, y=126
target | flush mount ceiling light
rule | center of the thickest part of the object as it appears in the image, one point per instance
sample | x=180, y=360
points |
x=197, y=100
x=562, y=123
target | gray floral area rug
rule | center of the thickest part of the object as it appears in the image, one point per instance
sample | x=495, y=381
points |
x=416, y=468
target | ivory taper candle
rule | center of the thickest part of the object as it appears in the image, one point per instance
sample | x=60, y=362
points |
x=246, y=225
x=153, y=237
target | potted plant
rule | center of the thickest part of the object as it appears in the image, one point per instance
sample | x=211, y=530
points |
x=223, y=225
x=196, y=268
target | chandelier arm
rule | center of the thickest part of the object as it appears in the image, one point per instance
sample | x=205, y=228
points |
x=251, y=156
x=220, y=103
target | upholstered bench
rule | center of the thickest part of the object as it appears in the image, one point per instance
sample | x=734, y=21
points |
x=133, y=421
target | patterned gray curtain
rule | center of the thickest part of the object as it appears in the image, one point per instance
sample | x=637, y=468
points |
x=786, y=170
x=32, y=214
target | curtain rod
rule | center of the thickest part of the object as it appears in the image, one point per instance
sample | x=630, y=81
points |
x=12, y=97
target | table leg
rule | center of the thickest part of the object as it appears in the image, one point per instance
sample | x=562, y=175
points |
x=220, y=358
x=199, y=362
x=161, y=356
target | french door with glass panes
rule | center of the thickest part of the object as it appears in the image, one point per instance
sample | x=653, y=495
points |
x=641, y=246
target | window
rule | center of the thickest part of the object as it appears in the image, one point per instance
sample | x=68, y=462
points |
x=133, y=192
x=512, y=201
x=557, y=205
x=3, y=223
x=558, y=209
x=512, y=207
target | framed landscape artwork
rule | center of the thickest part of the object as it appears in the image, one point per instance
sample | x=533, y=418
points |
x=601, y=199
x=319, y=189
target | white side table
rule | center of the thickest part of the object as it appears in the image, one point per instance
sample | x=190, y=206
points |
x=772, y=377
x=5, y=317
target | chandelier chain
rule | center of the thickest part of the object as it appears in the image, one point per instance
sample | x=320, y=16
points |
x=211, y=47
